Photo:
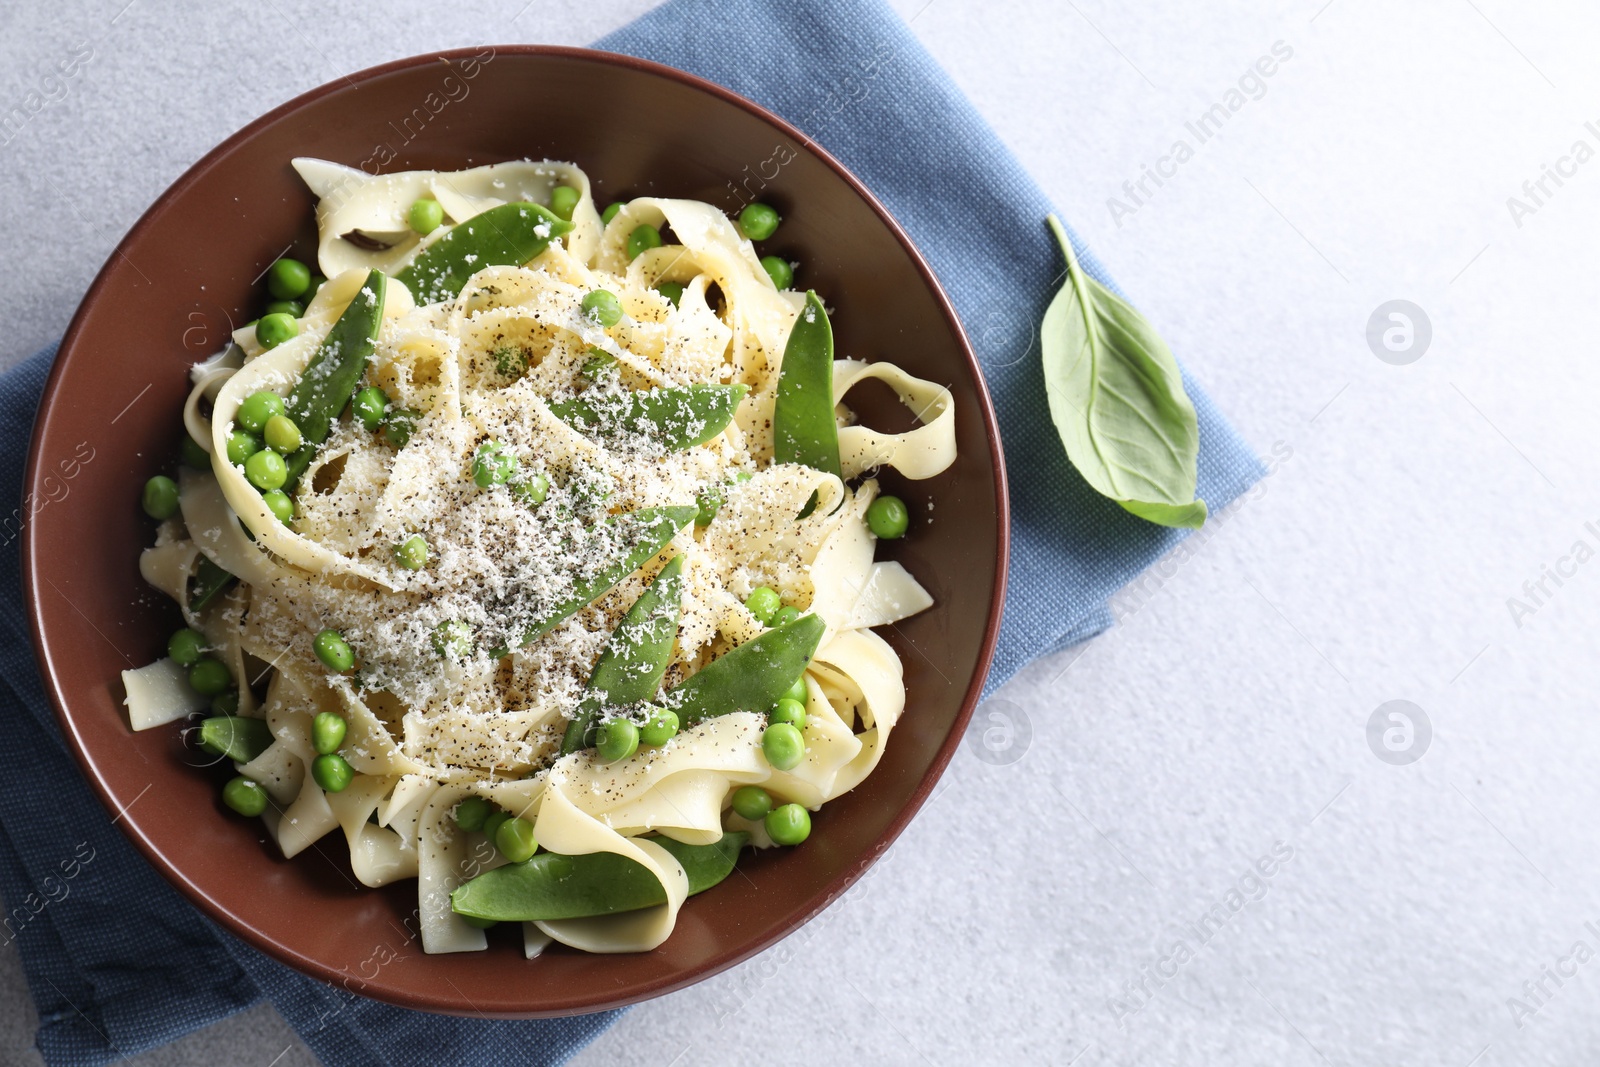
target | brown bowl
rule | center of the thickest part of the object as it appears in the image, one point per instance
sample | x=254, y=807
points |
x=185, y=274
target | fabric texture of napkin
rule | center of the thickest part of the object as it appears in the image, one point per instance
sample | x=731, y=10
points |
x=118, y=962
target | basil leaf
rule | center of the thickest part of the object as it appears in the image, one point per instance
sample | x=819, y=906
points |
x=1116, y=397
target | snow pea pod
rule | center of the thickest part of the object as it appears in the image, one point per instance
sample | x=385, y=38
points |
x=505, y=236
x=235, y=737
x=209, y=581
x=679, y=417
x=551, y=886
x=803, y=426
x=660, y=526
x=630, y=668
x=751, y=677
x=330, y=379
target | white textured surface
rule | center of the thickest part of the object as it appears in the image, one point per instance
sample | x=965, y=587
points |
x=1229, y=712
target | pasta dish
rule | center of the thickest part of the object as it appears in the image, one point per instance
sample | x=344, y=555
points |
x=529, y=549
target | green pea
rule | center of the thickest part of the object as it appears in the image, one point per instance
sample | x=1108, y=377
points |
x=709, y=500
x=266, y=470
x=288, y=278
x=493, y=821
x=644, y=236
x=790, y=711
x=532, y=490
x=194, y=454
x=599, y=364
x=208, y=677
x=242, y=444
x=779, y=270
x=785, y=614
x=492, y=465
x=453, y=639
x=563, y=199
x=472, y=811
x=617, y=740
x=888, y=518
x=763, y=603
x=752, y=802
x=327, y=732
x=257, y=408
x=783, y=745
x=788, y=824
x=244, y=796
x=671, y=290
x=272, y=330
x=371, y=405
x=160, y=497
x=225, y=702
x=317, y=282
x=279, y=503
x=333, y=650
x=186, y=647
x=398, y=427
x=610, y=212
x=292, y=308
x=798, y=692
x=412, y=553
x=602, y=308
x=425, y=216
x=281, y=434
x=332, y=773
x=514, y=839
x=662, y=727
x=758, y=221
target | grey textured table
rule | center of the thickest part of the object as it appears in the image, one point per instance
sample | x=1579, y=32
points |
x=1423, y=912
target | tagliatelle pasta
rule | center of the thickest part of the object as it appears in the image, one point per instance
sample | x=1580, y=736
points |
x=477, y=543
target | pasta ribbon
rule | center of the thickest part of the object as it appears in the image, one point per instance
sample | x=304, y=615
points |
x=920, y=453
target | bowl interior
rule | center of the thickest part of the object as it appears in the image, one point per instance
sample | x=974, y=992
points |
x=186, y=274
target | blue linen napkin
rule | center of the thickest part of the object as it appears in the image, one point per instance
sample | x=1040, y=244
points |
x=118, y=962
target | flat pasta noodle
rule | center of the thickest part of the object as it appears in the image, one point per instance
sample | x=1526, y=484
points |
x=222, y=623
x=279, y=771
x=566, y=829
x=442, y=858
x=869, y=680
x=352, y=201
x=305, y=821
x=169, y=567
x=159, y=693
x=424, y=730
x=209, y=378
x=923, y=452
x=378, y=855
